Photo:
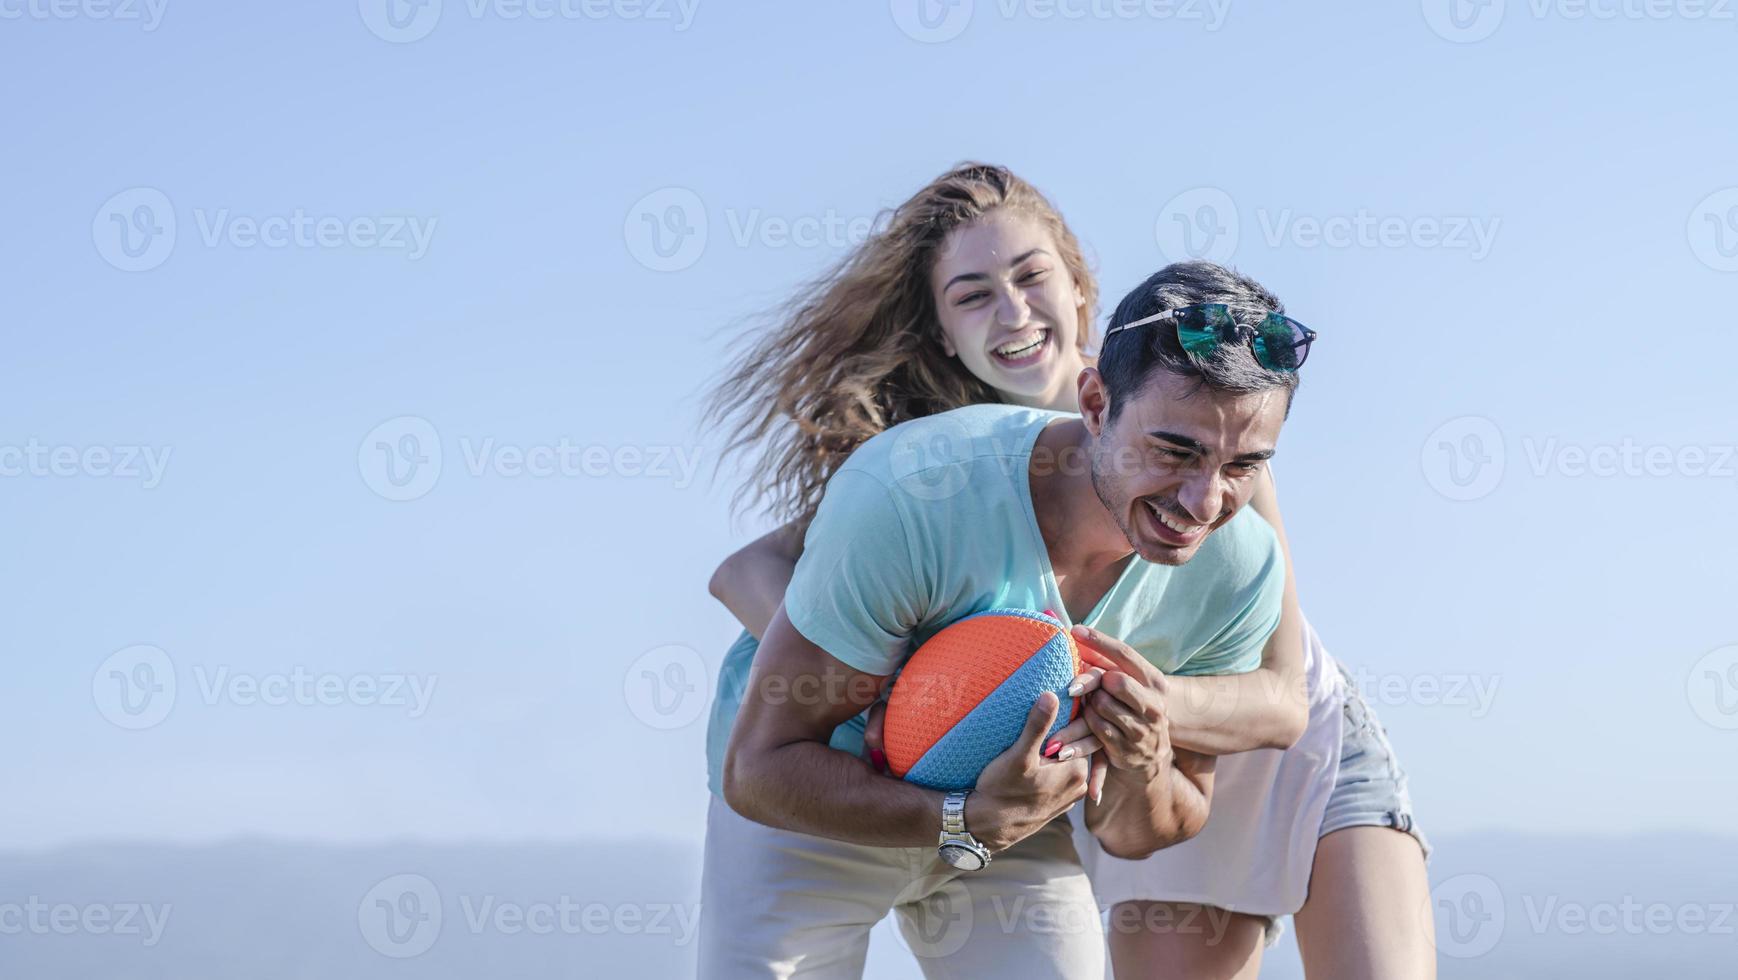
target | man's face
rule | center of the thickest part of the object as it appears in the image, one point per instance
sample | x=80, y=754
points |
x=1179, y=461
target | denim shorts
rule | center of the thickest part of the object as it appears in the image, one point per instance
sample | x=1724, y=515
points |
x=1370, y=790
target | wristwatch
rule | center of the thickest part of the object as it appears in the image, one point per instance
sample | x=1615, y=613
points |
x=958, y=847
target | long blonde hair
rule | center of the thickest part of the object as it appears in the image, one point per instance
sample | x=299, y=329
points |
x=860, y=349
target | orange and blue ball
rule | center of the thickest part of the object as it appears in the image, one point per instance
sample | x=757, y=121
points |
x=963, y=697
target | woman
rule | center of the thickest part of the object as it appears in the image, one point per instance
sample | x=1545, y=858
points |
x=1001, y=312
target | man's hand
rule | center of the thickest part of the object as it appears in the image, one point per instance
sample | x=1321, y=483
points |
x=1020, y=791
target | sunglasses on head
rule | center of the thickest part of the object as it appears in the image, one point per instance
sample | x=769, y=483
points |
x=1279, y=342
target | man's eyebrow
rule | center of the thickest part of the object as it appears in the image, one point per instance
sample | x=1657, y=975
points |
x=1180, y=440
x=976, y=276
x=1195, y=446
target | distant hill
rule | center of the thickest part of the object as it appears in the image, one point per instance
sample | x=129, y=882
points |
x=1508, y=906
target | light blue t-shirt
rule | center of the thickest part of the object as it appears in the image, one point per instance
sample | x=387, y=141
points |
x=932, y=521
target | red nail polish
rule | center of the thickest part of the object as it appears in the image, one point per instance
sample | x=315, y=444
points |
x=1052, y=748
x=878, y=758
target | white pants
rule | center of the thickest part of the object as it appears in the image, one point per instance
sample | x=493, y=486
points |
x=775, y=903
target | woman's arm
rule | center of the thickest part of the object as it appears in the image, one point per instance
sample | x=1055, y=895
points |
x=1266, y=708
x=751, y=583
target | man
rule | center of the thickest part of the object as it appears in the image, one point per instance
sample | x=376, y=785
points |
x=1127, y=519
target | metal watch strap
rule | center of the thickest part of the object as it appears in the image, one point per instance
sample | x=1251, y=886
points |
x=953, y=813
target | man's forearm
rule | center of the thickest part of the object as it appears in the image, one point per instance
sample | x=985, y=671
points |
x=1138, y=815
x=813, y=789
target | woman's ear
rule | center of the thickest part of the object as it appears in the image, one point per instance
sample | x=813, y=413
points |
x=947, y=346
x=1079, y=297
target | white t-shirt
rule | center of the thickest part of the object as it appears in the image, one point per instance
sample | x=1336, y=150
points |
x=1258, y=847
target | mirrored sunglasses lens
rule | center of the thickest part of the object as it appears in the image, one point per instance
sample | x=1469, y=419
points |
x=1201, y=329
x=1281, y=344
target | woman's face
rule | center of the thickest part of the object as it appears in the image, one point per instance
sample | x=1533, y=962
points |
x=1010, y=310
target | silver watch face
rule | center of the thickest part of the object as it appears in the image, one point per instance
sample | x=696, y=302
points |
x=962, y=857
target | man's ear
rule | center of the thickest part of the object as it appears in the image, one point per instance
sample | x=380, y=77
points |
x=1094, y=401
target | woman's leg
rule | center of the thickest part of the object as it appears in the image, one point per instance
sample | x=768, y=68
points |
x=1368, y=915
x=1167, y=940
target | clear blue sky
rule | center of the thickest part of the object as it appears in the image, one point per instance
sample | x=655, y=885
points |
x=1596, y=157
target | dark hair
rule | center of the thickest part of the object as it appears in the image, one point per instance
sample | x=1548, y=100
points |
x=1129, y=358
